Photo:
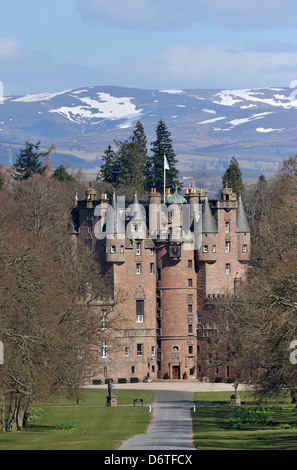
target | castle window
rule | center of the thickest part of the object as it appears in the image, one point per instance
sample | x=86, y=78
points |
x=90, y=224
x=122, y=249
x=132, y=369
x=139, y=311
x=228, y=268
x=227, y=247
x=139, y=350
x=127, y=352
x=205, y=248
x=244, y=248
x=199, y=318
x=134, y=227
x=190, y=349
x=227, y=227
x=190, y=308
x=153, y=350
x=113, y=249
x=152, y=268
x=190, y=282
x=190, y=264
x=104, y=349
x=214, y=248
x=138, y=248
x=138, y=268
x=190, y=328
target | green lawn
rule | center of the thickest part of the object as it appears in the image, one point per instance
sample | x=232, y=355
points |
x=89, y=426
x=213, y=430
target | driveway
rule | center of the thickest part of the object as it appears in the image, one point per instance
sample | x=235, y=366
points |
x=171, y=425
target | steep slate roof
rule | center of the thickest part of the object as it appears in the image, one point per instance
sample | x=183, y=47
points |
x=242, y=225
x=208, y=223
x=114, y=224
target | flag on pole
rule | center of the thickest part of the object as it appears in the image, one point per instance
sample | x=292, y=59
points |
x=166, y=164
x=166, y=167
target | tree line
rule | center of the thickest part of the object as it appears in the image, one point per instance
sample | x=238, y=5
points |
x=129, y=164
x=260, y=340
x=51, y=330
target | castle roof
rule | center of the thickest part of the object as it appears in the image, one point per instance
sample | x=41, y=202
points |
x=176, y=198
x=208, y=223
x=242, y=225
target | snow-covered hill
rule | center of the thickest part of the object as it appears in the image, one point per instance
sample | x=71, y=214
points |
x=258, y=126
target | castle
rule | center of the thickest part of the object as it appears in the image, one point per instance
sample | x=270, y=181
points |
x=169, y=260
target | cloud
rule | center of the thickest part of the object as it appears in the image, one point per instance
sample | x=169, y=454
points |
x=176, y=14
x=134, y=14
x=210, y=66
x=178, y=66
x=9, y=48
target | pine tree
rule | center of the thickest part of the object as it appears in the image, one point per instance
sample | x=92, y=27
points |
x=61, y=174
x=131, y=168
x=161, y=147
x=28, y=162
x=232, y=177
x=126, y=165
x=110, y=169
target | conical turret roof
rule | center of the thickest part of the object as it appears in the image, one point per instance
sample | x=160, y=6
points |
x=242, y=225
x=208, y=223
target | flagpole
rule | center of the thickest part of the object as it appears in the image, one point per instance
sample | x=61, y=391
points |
x=164, y=182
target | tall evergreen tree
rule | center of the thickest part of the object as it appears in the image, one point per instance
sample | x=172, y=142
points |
x=232, y=177
x=126, y=165
x=161, y=147
x=131, y=168
x=61, y=174
x=28, y=162
x=110, y=168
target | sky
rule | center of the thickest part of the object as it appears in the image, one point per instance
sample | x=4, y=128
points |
x=55, y=45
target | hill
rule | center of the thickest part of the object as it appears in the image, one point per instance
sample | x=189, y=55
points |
x=208, y=127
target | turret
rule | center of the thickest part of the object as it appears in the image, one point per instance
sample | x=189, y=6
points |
x=115, y=234
x=91, y=197
x=208, y=250
x=243, y=231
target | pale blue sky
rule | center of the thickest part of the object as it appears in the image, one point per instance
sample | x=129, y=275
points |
x=152, y=44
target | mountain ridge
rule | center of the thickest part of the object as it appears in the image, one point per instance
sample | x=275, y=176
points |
x=208, y=126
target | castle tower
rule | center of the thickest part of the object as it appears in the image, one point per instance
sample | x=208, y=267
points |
x=176, y=294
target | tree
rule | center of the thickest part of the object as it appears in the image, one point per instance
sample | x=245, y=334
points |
x=232, y=177
x=28, y=162
x=109, y=171
x=131, y=166
x=50, y=322
x=161, y=147
x=125, y=167
x=61, y=174
x=263, y=313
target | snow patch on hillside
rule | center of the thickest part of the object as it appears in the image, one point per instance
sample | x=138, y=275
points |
x=105, y=107
x=30, y=98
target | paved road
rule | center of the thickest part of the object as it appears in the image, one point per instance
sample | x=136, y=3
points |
x=171, y=425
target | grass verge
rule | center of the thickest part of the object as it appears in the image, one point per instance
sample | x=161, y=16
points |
x=91, y=425
x=218, y=425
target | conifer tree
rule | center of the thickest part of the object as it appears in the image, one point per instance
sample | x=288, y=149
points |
x=28, y=162
x=232, y=177
x=61, y=174
x=109, y=170
x=161, y=147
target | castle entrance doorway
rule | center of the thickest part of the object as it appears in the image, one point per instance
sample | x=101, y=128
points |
x=176, y=372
